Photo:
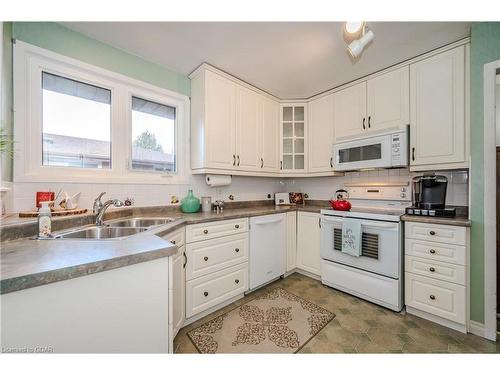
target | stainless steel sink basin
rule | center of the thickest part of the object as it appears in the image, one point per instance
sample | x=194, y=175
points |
x=136, y=222
x=98, y=233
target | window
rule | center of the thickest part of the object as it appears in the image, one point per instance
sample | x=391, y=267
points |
x=81, y=123
x=153, y=136
x=76, y=123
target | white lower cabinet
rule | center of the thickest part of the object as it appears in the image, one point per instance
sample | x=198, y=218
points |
x=291, y=241
x=177, y=281
x=211, y=290
x=216, y=264
x=308, y=242
x=436, y=273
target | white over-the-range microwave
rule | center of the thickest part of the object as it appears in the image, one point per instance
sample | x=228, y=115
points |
x=379, y=151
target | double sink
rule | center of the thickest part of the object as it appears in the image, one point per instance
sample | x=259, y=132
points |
x=116, y=228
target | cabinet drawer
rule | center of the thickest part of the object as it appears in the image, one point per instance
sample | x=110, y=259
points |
x=437, y=270
x=211, y=290
x=435, y=232
x=177, y=237
x=439, y=298
x=216, y=229
x=436, y=251
x=204, y=257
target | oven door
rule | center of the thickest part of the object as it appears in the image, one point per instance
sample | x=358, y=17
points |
x=374, y=152
x=380, y=249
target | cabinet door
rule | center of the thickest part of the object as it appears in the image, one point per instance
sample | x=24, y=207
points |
x=220, y=120
x=179, y=291
x=291, y=241
x=308, y=242
x=247, y=129
x=350, y=112
x=437, y=110
x=388, y=101
x=320, y=129
x=293, y=138
x=269, y=135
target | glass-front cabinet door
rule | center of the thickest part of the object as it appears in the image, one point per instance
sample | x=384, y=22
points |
x=293, y=142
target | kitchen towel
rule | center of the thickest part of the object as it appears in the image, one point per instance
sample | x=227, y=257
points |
x=351, y=237
x=215, y=180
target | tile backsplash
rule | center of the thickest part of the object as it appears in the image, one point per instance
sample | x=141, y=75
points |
x=324, y=187
x=242, y=188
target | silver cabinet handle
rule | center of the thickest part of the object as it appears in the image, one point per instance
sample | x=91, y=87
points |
x=185, y=260
x=331, y=162
x=238, y=156
x=234, y=160
x=261, y=162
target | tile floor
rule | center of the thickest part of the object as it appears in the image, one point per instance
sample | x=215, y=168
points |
x=360, y=326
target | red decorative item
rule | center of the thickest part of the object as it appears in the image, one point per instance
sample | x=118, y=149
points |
x=44, y=196
x=340, y=203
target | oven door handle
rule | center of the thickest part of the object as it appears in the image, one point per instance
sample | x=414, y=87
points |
x=374, y=224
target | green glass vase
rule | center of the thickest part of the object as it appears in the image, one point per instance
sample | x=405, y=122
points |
x=190, y=203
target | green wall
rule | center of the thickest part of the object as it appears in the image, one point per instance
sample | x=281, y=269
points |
x=6, y=98
x=485, y=48
x=57, y=38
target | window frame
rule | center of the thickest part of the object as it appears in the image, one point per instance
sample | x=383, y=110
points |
x=29, y=63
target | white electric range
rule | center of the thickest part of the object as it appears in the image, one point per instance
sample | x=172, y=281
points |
x=376, y=275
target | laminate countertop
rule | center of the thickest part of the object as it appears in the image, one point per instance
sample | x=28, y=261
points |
x=27, y=263
x=460, y=221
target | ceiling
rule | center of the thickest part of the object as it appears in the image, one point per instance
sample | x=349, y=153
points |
x=290, y=60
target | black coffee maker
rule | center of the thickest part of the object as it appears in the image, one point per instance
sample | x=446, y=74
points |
x=429, y=196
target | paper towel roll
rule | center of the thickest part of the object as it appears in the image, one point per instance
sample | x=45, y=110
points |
x=215, y=180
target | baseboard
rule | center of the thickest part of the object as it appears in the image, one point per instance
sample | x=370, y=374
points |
x=307, y=273
x=476, y=328
x=436, y=319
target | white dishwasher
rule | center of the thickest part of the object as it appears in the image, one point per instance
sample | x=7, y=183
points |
x=267, y=248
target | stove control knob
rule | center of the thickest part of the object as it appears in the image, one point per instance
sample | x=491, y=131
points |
x=403, y=195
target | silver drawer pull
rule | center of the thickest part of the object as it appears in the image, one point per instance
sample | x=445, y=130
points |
x=205, y=231
x=432, y=297
x=205, y=294
x=205, y=259
x=237, y=250
x=432, y=233
x=432, y=251
x=432, y=269
x=236, y=281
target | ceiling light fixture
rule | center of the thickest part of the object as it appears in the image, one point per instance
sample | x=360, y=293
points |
x=360, y=35
x=353, y=30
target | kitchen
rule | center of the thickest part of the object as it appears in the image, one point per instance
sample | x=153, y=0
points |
x=218, y=209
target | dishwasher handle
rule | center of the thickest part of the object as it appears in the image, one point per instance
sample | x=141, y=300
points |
x=269, y=221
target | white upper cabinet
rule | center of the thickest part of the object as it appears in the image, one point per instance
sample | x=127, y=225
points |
x=388, y=101
x=234, y=128
x=438, y=106
x=269, y=135
x=247, y=129
x=320, y=134
x=350, y=112
x=293, y=138
x=220, y=121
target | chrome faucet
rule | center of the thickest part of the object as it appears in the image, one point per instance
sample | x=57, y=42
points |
x=100, y=208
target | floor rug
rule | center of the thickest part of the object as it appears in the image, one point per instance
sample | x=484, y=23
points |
x=275, y=322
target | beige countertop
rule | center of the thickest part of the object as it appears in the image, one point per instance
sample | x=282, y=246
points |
x=27, y=263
